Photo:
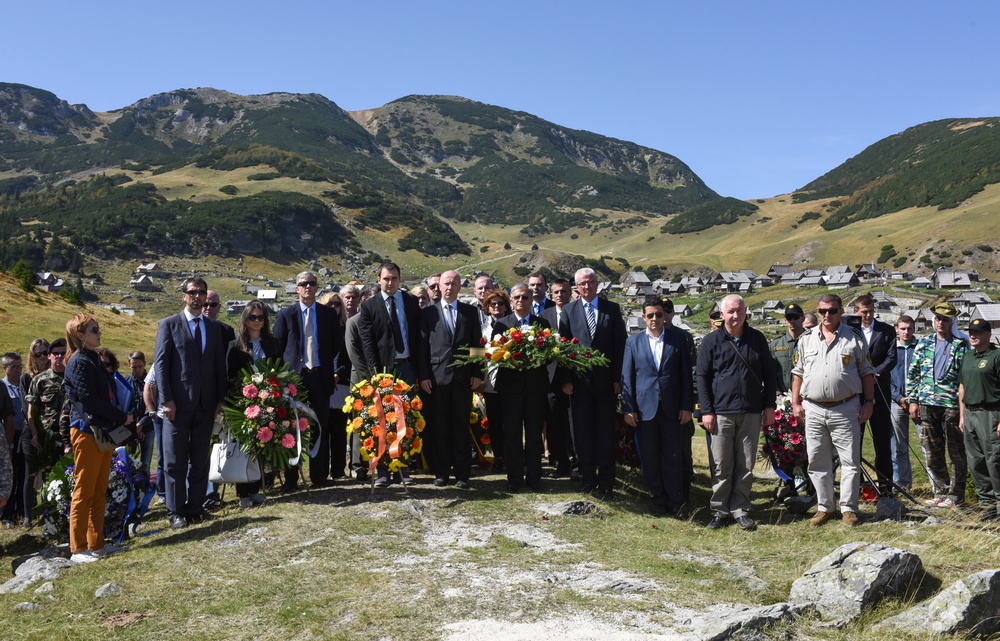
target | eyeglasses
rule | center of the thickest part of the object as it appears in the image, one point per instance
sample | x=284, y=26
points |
x=256, y=317
x=196, y=292
x=792, y=317
x=498, y=303
x=335, y=303
x=40, y=354
x=211, y=305
x=827, y=310
x=306, y=283
x=942, y=319
x=521, y=297
x=94, y=330
x=653, y=315
x=57, y=354
x=433, y=287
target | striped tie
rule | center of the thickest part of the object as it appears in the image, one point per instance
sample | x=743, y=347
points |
x=591, y=319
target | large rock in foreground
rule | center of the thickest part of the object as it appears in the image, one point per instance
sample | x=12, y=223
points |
x=970, y=606
x=853, y=578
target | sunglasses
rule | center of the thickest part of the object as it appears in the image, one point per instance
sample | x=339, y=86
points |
x=827, y=310
x=211, y=305
x=433, y=287
x=57, y=354
x=256, y=317
x=523, y=297
x=307, y=283
x=94, y=330
x=40, y=354
x=498, y=303
x=653, y=315
x=792, y=317
x=196, y=292
x=335, y=303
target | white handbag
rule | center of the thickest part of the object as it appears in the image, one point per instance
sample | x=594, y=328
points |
x=230, y=464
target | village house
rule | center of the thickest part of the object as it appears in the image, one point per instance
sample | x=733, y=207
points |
x=142, y=283
x=48, y=282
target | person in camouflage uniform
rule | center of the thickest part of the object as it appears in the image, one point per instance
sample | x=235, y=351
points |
x=932, y=390
x=45, y=399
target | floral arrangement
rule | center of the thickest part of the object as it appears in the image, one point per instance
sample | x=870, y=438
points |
x=127, y=482
x=785, y=439
x=267, y=416
x=385, y=412
x=479, y=428
x=522, y=349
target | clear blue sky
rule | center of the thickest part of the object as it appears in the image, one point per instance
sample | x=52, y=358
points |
x=758, y=98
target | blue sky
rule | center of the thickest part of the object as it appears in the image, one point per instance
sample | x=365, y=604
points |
x=758, y=98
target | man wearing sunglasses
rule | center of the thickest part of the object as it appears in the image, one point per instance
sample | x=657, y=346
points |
x=932, y=391
x=833, y=392
x=657, y=400
x=190, y=366
x=783, y=349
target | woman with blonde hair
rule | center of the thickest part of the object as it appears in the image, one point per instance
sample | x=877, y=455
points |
x=88, y=389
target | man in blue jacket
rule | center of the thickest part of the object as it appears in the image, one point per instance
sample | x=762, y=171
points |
x=657, y=400
x=736, y=387
x=902, y=471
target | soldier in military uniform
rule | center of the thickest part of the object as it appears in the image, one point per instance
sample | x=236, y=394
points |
x=833, y=391
x=45, y=399
x=979, y=415
x=783, y=349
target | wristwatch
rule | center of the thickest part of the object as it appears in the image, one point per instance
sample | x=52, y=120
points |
x=868, y=400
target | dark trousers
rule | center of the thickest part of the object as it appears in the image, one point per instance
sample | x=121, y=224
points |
x=982, y=445
x=687, y=458
x=186, y=452
x=494, y=416
x=451, y=405
x=161, y=470
x=404, y=371
x=337, y=421
x=594, y=435
x=881, y=428
x=22, y=492
x=557, y=431
x=319, y=401
x=660, y=444
x=523, y=414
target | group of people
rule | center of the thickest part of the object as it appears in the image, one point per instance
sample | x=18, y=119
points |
x=839, y=377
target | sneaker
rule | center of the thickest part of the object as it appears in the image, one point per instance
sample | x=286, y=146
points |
x=83, y=557
x=946, y=503
x=820, y=518
x=108, y=550
x=246, y=502
x=933, y=502
x=257, y=498
x=850, y=519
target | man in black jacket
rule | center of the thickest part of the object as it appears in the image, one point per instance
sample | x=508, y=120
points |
x=736, y=384
x=881, y=340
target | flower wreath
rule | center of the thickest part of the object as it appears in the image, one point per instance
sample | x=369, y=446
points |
x=268, y=416
x=385, y=412
x=523, y=348
x=785, y=439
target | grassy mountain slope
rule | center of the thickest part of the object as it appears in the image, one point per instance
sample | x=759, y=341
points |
x=940, y=163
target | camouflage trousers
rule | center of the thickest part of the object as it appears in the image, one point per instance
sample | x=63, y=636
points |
x=939, y=433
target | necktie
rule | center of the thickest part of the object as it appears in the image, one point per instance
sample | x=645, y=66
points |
x=591, y=319
x=197, y=333
x=537, y=307
x=310, y=339
x=524, y=322
x=451, y=318
x=397, y=334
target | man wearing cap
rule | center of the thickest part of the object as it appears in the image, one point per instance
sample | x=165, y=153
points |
x=783, y=349
x=906, y=342
x=833, y=389
x=979, y=415
x=932, y=392
x=881, y=340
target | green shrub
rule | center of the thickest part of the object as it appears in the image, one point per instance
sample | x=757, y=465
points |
x=232, y=190
x=24, y=274
x=985, y=248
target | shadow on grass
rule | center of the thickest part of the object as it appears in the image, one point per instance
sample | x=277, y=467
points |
x=221, y=524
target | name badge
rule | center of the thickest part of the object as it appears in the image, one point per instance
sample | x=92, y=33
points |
x=982, y=364
x=847, y=359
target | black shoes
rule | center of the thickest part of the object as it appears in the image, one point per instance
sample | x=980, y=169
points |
x=462, y=485
x=177, y=522
x=746, y=523
x=440, y=482
x=718, y=521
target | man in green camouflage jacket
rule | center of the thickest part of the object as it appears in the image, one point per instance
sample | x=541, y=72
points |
x=932, y=389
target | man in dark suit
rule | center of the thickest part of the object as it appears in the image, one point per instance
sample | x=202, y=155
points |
x=881, y=339
x=657, y=400
x=524, y=394
x=557, y=430
x=445, y=328
x=539, y=286
x=388, y=324
x=190, y=365
x=211, y=310
x=356, y=355
x=310, y=343
x=597, y=323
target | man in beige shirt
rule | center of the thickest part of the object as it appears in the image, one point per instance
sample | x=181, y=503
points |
x=834, y=379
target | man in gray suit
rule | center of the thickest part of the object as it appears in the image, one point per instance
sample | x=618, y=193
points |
x=445, y=328
x=190, y=366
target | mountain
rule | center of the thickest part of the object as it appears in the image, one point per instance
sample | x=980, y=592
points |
x=939, y=164
x=299, y=174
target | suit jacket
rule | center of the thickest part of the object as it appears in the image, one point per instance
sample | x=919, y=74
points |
x=193, y=379
x=354, y=350
x=644, y=384
x=228, y=333
x=438, y=346
x=882, y=351
x=510, y=381
x=289, y=333
x=609, y=339
x=546, y=304
x=377, y=343
x=551, y=316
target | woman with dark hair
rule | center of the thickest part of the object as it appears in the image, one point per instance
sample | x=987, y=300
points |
x=253, y=342
x=90, y=393
x=497, y=305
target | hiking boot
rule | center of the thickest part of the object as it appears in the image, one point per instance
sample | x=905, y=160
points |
x=820, y=518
